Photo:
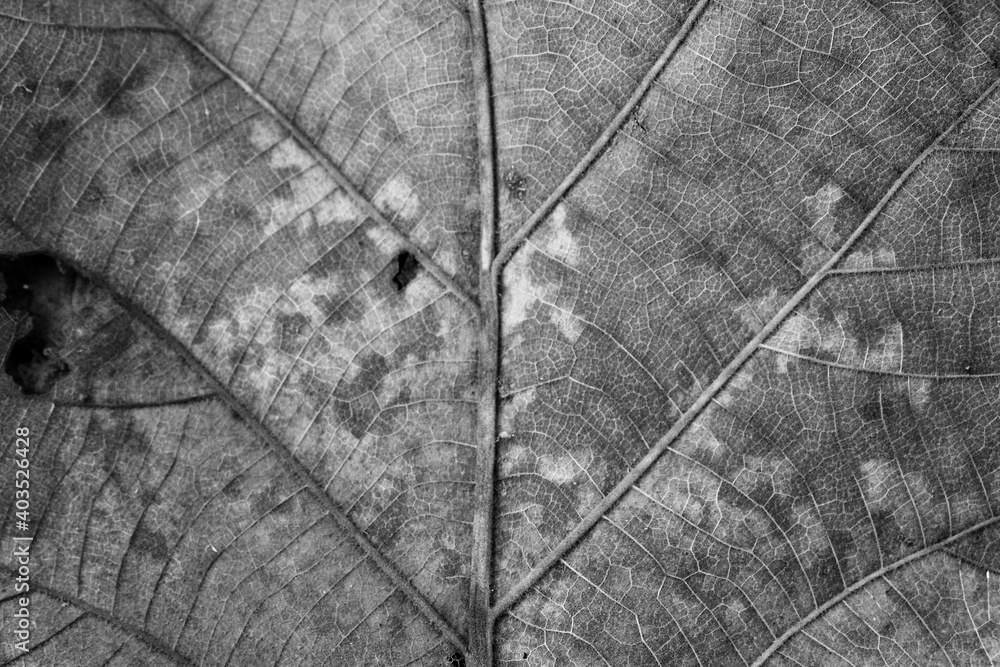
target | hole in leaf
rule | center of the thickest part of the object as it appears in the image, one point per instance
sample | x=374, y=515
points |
x=456, y=660
x=406, y=270
x=33, y=366
x=38, y=285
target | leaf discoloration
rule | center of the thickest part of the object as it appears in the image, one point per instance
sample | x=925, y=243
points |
x=115, y=91
x=661, y=333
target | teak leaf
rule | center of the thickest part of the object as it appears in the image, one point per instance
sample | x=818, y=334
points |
x=517, y=333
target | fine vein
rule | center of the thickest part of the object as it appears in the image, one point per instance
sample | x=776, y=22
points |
x=288, y=461
x=861, y=583
x=665, y=442
x=137, y=632
x=426, y=261
x=603, y=141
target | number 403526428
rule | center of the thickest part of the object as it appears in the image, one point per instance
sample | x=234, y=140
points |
x=22, y=476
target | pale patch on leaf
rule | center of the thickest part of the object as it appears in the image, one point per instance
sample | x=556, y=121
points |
x=880, y=479
x=522, y=290
x=809, y=536
x=808, y=330
x=557, y=240
x=397, y=197
x=558, y=469
x=919, y=392
x=821, y=206
x=754, y=313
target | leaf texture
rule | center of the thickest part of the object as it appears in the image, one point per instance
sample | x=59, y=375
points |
x=513, y=333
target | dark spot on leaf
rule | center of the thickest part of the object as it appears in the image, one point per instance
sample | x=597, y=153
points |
x=406, y=270
x=335, y=311
x=268, y=500
x=33, y=366
x=293, y=327
x=820, y=354
x=456, y=659
x=152, y=543
x=712, y=253
x=93, y=195
x=151, y=164
x=237, y=209
x=284, y=191
x=357, y=404
x=234, y=488
x=114, y=91
x=51, y=139
x=66, y=87
x=38, y=285
x=870, y=411
x=880, y=407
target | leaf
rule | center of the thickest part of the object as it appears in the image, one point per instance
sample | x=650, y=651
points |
x=507, y=333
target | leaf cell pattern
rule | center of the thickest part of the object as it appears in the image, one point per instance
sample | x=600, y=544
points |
x=415, y=333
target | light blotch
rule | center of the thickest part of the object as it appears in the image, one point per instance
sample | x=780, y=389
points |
x=808, y=329
x=288, y=154
x=821, y=206
x=879, y=479
x=809, y=537
x=814, y=256
x=778, y=471
x=874, y=604
x=742, y=381
x=755, y=313
x=304, y=290
x=518, y=403
x=558, y=469
x=868, y=259
x=699, y=438
x=168, y=308
x=819, y=248
x=557, y=240
x=919, y=392
x=859, y=260
x=884, y=257
x=908, y=497
x=396, y=197
x=569, y=324
x=265, y=133
x=932, y=511
x=338, y=208
x=687, y=490
x=887, y=354
x=521, y=292
x=967, y=508
x=309, y=189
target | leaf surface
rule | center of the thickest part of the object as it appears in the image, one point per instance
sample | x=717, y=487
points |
x=509, y=333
